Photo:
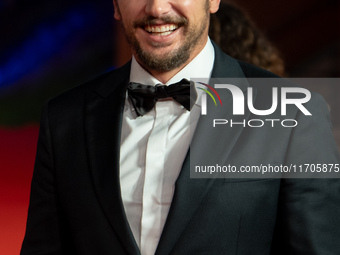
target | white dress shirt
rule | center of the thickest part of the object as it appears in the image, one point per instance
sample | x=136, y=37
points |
x=153, y=148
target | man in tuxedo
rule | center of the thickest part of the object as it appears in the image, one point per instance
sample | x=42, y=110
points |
x=114, y=178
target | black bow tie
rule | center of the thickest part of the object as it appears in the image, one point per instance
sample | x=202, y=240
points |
x=144, y=97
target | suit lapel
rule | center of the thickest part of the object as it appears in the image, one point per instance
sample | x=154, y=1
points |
x=103, y=117
x=190, y=192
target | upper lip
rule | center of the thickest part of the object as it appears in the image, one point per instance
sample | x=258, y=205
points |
x=160, y=28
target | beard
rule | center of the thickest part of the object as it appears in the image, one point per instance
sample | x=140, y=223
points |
x=172, y=59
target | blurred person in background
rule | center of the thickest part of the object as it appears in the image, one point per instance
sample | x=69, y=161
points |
x=236, y=34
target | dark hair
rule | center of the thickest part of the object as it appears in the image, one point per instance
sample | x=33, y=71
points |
x=237, y=36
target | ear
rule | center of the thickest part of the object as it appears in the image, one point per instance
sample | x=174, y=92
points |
x=116, y=14
x=214, y=5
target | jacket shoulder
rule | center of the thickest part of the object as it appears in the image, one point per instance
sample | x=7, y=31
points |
x=70, y=104
x=252, y=71
x=101, y=84
x=98, y=83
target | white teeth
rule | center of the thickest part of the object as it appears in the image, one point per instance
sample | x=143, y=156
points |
x=161, y=30
x=166, y=33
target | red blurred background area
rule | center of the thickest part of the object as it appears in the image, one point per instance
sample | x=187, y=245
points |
x=17, y=152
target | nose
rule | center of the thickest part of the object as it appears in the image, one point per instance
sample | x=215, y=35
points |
x=157, y=8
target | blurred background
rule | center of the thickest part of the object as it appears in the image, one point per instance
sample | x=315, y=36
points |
x=47, y=47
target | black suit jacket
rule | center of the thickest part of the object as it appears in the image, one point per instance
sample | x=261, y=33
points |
x=76, y=207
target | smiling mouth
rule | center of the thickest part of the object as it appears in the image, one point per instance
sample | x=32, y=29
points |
x=161, y=30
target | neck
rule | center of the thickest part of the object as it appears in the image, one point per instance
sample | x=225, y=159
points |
x=164, y=77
